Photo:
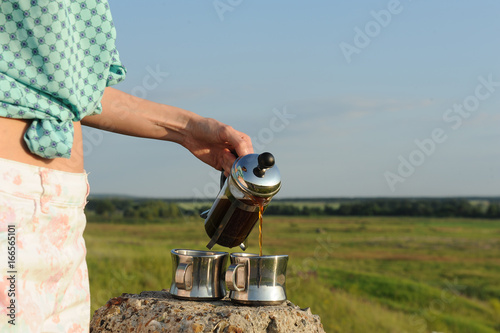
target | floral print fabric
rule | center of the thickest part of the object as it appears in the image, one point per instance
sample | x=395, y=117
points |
x=43, y=208
x=56, y=58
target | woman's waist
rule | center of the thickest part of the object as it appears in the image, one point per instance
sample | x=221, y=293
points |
x=26, y=181
x=13, y=147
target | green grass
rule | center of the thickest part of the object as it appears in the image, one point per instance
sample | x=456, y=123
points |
x=359, y=274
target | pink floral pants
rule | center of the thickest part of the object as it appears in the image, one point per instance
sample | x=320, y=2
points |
x=44, y=285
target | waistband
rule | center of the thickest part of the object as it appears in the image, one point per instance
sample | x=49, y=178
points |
x=30, y=181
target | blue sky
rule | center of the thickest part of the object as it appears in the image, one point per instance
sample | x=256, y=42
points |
x=365, y=98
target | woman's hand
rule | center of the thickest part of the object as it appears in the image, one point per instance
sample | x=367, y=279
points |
x=216, y=143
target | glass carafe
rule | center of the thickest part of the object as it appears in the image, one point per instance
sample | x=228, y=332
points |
x=253, y=181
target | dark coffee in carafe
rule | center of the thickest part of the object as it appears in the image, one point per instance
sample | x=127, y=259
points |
x=253, y=181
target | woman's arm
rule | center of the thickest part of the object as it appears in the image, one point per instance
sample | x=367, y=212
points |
x=208, y=139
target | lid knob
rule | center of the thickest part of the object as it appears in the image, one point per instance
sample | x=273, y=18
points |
x=265, y=161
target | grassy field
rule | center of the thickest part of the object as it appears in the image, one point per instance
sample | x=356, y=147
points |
x=359, y=274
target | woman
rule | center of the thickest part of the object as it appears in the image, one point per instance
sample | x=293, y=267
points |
x=57, y=64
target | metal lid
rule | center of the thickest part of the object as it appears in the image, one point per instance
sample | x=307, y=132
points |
x=256, y=174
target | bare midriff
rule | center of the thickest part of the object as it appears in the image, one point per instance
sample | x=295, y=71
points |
x=13, y=147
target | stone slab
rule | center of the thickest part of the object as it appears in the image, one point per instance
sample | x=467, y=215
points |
x=158, y=311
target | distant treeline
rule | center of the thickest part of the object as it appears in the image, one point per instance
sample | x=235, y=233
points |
x=159, y=209
x=116, y=208
x=393, y=207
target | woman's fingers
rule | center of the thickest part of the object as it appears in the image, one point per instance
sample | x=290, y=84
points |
x=239, y=141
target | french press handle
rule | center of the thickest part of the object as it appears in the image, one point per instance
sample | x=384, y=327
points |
x=223, y=178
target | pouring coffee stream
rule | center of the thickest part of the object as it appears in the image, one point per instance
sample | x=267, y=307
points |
x=244, y=195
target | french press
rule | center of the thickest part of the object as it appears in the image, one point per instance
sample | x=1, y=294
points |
x=251, y=184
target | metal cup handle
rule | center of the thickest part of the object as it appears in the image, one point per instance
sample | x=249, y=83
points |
x=231, y=277
x=182, y=281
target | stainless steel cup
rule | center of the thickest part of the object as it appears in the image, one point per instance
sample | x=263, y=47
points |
x=257, y=280
x=198, y=275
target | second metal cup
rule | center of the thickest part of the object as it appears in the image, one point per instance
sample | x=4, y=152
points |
x=257, y=280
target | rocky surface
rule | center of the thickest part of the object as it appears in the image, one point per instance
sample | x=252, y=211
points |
x=158, y=311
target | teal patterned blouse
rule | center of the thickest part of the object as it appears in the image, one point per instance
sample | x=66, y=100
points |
x=56, y=59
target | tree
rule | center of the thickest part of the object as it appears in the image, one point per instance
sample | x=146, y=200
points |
x=493, y=210
x=104, y=207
